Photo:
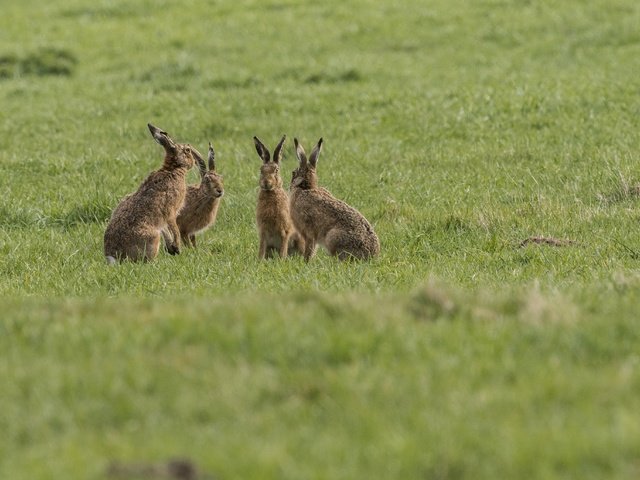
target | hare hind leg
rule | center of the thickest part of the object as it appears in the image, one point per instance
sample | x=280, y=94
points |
x=309, y=249
x=171, y=234
x=344, y=246
x=296, y=244
x=147, y=249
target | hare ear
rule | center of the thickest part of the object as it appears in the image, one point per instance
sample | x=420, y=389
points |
x=200, y=161
x=212, y=158
x=277, y=153
x=261, y=149
x=302, y=156
x=162, y=138
x=315, y=153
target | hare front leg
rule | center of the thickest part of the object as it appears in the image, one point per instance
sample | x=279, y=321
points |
x=284, y=246
x=192, y=239
x=263, y=247
x=174, y=247
x=168, y=239
x=309, y=248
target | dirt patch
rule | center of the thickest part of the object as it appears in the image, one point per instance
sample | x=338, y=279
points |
x=174, y=469
x=550, y=241
x=351, y=75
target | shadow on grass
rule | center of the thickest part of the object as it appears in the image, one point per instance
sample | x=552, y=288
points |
x=43, y=62
x=227, y=84
x=101, y=12
x=91, y=211
x=20, y=218
x=351, y=75
x=624, y=191
x=169, y=76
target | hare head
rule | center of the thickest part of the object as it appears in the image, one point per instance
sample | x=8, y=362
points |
x=178, y=155
x=270, y=171
x=211, y=180
x=305, y=176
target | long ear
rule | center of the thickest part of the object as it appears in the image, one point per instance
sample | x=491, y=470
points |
x=261, y=149
x=300, y=153
x=212, y=158
x=162, y=138
x=315, y=153
x=277, y=153
x=201, y=166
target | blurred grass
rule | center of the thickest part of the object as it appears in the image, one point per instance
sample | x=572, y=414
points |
x=435, y=384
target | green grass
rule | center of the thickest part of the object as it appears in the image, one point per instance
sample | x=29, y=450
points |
x=458, y=128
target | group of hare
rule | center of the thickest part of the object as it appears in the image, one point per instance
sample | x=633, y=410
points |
x=295, y=222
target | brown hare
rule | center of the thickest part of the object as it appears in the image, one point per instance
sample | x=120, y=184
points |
x=134, y=230
x=275, y=229
x=201, y=203
x=323, y=219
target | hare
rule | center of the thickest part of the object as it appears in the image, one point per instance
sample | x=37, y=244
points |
x=275, y=228
x=134, y=230
x=201, y=202
x=323, y=219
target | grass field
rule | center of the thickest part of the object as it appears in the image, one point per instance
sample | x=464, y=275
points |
x=459, y=129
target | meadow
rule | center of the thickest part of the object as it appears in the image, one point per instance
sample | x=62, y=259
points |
x=459, y=129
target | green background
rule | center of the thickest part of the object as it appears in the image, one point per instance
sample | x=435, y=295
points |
x=458, y=128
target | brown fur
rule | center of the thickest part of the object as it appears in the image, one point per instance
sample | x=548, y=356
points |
x=201, y=203
x=134, y=230
x=323, y=219
x=275, y=228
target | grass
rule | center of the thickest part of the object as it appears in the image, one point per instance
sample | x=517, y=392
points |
x=459, y=129
x=428, y=385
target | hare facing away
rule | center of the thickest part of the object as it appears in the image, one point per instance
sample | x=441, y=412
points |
x=323, y=219
x=275, y=229
x=201, y=202
x=136, y=224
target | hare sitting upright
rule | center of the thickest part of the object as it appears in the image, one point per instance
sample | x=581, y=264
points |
x=272, y=214
x=321, y=218
x=134, y=230
x=201, y=203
